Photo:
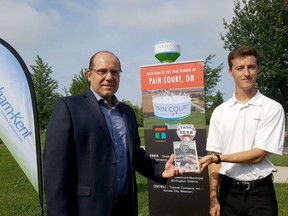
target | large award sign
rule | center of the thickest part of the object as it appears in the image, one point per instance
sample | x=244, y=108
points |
x=174, y=122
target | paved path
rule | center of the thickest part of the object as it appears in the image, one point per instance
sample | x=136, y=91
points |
x=281, y=176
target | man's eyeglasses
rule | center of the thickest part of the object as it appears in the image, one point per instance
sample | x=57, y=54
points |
x=104, y=72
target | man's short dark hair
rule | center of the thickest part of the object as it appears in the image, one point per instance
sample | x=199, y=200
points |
x=242, y=51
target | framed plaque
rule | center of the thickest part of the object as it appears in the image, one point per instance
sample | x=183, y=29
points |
x=185, y=151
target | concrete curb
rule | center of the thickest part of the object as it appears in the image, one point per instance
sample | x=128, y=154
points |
x=281, y=176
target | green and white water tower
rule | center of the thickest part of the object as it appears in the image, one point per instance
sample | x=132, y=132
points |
x=167, y=51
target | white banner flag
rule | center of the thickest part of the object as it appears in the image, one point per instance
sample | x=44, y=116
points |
x=18, y=119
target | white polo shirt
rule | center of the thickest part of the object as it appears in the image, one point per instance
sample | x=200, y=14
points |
x=236, y=127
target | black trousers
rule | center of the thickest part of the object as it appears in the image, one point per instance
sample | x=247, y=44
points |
x=123, y=206
x=248, y=198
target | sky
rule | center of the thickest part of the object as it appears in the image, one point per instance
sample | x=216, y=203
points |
x=66, y=33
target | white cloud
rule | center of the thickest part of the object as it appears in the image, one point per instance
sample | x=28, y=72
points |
x=65, y=33
x=159, y=15
x=26, y=26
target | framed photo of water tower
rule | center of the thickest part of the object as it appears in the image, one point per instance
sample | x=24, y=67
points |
x=174, y=122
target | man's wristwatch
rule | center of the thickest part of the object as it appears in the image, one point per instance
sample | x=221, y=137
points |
x=218, y=158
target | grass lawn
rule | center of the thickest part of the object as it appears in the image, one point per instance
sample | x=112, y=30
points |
x=280, y=160
x=18, y=197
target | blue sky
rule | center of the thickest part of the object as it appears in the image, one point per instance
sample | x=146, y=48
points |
x=66, y=33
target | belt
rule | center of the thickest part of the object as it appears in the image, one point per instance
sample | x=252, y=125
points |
x=246, y=185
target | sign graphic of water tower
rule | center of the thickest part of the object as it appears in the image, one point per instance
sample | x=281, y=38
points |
x=171, y=107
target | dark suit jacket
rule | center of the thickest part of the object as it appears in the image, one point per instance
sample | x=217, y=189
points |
x=79, y=161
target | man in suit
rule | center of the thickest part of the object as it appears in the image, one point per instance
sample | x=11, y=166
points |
x=92, y=150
